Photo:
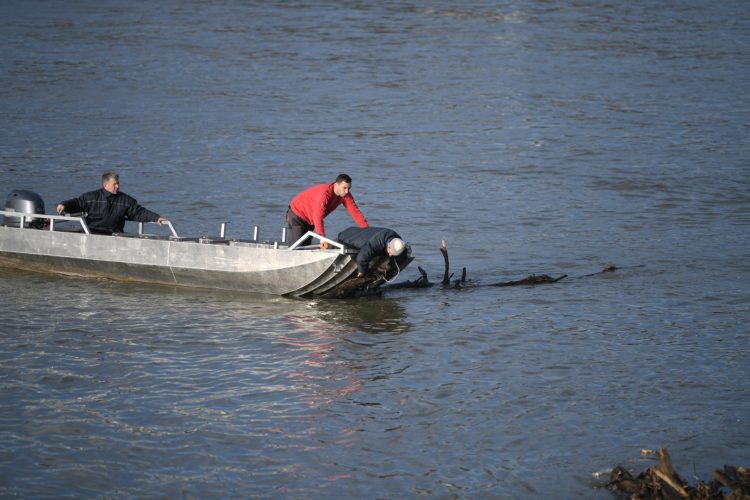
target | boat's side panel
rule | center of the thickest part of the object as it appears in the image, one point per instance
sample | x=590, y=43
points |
x=253, y=269
x=70, y=245
x=257, y=270
x=87, y=268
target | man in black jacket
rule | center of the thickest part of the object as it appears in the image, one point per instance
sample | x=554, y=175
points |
x=108, y=208
x=372, y=242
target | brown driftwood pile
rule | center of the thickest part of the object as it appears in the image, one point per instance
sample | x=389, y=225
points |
x=663, y=483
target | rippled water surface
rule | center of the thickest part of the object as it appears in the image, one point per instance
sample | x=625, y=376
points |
x=534, y=137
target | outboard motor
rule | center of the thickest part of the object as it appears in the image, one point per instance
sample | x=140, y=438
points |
x=21, y=200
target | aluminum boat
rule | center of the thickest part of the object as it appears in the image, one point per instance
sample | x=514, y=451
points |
x=34, y=241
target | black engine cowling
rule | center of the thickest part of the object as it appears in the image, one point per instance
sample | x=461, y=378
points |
x=24, y=201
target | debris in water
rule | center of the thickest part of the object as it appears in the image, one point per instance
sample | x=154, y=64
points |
x=663, y=483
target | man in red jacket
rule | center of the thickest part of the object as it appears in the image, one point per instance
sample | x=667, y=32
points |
x=308, y=209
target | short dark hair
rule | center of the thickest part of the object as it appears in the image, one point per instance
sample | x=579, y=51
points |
x=110, y=175
x=344, y=178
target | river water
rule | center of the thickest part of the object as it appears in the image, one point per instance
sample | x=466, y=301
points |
x=534, y=137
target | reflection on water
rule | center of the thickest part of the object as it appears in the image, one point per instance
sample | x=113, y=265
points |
x=369, y=315
x=170, y=371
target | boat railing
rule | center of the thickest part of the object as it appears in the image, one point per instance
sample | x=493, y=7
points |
x=297, y=245
x=25, y=218
x=165, y=223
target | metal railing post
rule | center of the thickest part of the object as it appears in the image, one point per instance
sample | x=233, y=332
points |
x=341, y=248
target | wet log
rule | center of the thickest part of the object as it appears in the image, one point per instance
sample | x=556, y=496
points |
x=444, y=251
x=378, y=280
x=662, y=482
x=609, y=268
x=447, y=275
x=534, y=279
x=421, y=282
x=461, y=282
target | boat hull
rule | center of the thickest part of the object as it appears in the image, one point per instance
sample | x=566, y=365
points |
x=226, y=265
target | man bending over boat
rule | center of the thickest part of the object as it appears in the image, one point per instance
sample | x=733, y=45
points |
x=108, y=208
x=374, y=242
x=308, y=209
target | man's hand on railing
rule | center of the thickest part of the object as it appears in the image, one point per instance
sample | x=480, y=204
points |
x=324, y=245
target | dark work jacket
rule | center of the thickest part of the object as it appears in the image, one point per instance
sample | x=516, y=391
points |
x=371, y=242
x=108, y=212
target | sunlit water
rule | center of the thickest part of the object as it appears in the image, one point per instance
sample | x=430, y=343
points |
x=539, y=137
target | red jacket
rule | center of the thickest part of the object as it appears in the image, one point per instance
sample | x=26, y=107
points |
x=314, y=203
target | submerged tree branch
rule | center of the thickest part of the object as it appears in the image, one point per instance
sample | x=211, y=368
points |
x=533, y=279
x=423, y=281
x=444, y=251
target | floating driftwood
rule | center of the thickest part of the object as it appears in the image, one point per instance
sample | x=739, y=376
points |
x=609, y=268
x=423, y=282
x=531, y=280
x=663, y=483
x=368, y=285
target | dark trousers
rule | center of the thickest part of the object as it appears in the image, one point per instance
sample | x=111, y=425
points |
x=296, y=228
